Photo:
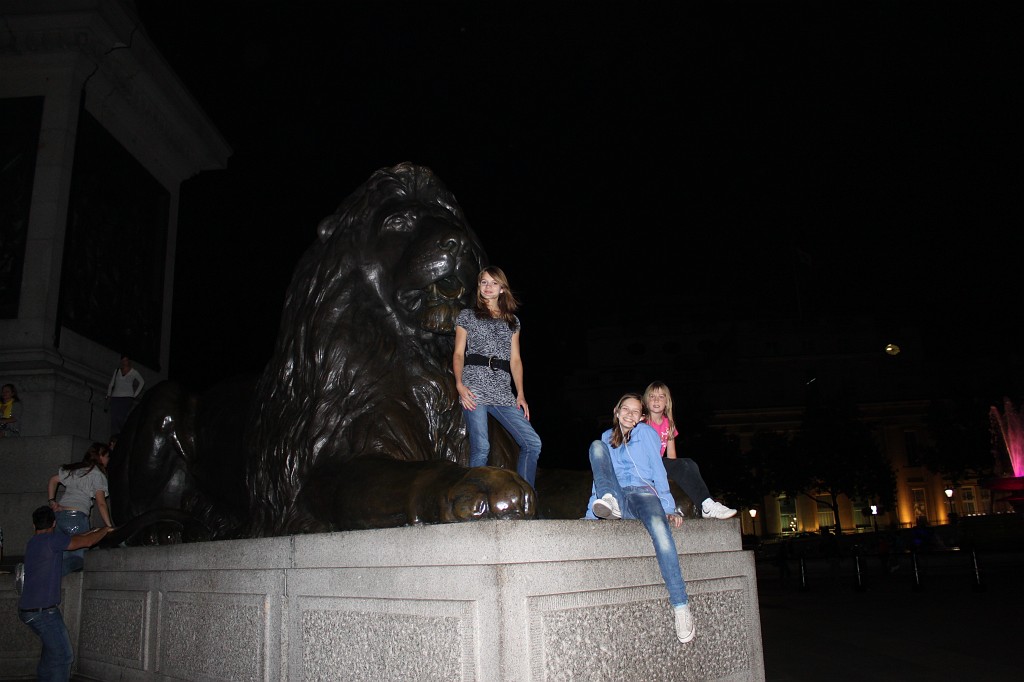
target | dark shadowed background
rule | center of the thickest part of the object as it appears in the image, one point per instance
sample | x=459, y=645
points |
x=621, y=161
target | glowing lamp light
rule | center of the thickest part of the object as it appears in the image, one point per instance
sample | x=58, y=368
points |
x=892, y=349
x=753, y=513
x=874, y=510
x=949, y=492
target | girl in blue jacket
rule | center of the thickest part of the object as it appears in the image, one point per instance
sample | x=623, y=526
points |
x=630, y=483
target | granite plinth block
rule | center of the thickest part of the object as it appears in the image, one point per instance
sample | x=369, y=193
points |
x=492, y=600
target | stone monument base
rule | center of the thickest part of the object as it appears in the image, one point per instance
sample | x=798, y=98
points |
x=491, y=600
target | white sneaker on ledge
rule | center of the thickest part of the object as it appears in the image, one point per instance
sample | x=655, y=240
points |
x=686, y=630
x=606, y=507
x=717, y=510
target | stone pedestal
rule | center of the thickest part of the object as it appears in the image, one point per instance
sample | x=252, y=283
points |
x=493, y=600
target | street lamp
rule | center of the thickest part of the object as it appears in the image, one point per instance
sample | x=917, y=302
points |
x=874, y=515
x=949, y=496
x=753, y=526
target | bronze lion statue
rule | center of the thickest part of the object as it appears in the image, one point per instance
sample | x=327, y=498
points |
x=355, y=422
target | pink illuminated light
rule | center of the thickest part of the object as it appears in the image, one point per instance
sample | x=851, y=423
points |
x=1012, y=430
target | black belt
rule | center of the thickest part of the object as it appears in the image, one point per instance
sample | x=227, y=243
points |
x=492, y=362
x=44, y=608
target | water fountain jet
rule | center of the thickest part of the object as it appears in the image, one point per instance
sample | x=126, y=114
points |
x=1010, y=426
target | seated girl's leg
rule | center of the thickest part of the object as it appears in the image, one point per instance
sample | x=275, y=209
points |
x=521, y=430
x=685, y=472
x=476, y=429
x=646, y=506
x=605, y=480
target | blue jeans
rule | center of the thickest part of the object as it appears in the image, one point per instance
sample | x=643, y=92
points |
x=686, y=473
x=56, y=658
x=641, y=502
x=72, y=523
x=518, y=427
x=120, y=408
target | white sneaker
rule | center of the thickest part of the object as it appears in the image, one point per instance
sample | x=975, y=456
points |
x=19, y=578
x=606, y=507
x=685, y=628
x=717, y=510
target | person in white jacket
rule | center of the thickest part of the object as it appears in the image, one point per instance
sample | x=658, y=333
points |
x=125, y=386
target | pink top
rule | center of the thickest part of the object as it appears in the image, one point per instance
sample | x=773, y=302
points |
x=663, y=433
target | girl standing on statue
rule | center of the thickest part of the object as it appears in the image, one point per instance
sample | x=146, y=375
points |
x=125, y=386
x=630, y=483
x=486, y=364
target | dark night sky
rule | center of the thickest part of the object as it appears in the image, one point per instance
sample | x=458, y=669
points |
x=695, y=146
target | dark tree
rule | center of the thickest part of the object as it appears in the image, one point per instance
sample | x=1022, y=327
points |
x=836, y=453
x=747, y=477
x=716, y=452
x=962, y=440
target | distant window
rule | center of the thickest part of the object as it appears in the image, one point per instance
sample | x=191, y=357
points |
x=860, y=519
x=920, y=505
x=21, y=119
x=787, y=514
x=968, y=500
x=826, y=517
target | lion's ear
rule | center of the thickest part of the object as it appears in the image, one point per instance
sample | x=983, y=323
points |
x=326, y=227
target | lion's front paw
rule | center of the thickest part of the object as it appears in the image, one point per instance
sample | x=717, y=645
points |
x=487, y=493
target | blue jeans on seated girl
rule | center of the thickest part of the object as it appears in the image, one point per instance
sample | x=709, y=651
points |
x=517, y=425
x=641, y=503
x=72, y=523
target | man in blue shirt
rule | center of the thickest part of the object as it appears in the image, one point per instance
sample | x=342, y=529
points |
x=39, y=605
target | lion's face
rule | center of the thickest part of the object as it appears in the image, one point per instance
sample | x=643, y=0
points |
x=436, y=261
x=407, y=238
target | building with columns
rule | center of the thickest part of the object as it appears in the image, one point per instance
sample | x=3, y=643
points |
x=96, y=134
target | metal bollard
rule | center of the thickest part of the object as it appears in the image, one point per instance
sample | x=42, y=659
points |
x=917, y=572
x=803, y=574
x=978, y=586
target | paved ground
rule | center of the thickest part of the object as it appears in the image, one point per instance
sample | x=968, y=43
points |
x=942, y=627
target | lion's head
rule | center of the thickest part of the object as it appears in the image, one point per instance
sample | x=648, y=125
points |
x=362, y=360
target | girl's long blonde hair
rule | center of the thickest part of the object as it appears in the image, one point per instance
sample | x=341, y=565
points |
x=660, y=386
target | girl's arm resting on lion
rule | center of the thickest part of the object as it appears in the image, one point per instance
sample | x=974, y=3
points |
x=670, y=451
